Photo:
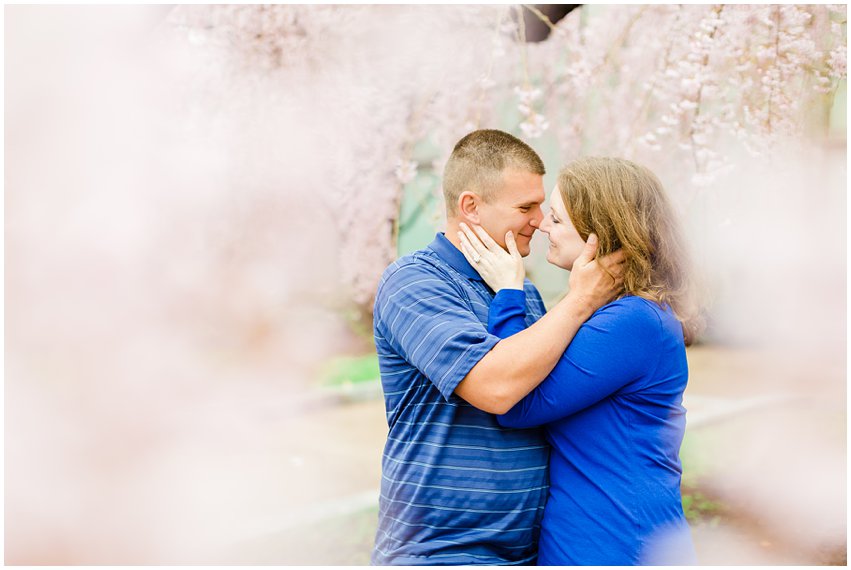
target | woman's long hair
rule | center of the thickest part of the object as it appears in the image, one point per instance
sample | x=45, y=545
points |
x=626, y=206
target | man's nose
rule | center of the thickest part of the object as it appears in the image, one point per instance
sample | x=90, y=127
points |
x=535, y=222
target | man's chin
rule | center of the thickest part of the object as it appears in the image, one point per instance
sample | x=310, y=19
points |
x=524, y=244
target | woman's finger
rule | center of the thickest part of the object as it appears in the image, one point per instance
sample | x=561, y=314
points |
x=487, y=240
x=511, y=244
x=468, y=250
x=474, y=242
x=466, y=247
x=465, y=250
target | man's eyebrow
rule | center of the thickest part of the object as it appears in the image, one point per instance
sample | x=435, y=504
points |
x=529, y=204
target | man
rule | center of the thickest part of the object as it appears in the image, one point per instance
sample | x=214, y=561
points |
x=456, y=487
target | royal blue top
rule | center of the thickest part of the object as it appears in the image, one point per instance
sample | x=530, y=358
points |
x=613, y=413
x=456, y=487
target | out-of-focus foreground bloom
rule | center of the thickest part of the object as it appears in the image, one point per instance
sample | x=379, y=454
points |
x=196, y=194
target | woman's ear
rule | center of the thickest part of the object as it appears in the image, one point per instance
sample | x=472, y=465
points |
x=468, y=207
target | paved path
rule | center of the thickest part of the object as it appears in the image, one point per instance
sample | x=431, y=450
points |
x=329, y=463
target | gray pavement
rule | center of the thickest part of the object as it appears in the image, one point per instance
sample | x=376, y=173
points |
x=330, y=453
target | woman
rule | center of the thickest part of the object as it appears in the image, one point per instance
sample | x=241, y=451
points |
x=612, y=407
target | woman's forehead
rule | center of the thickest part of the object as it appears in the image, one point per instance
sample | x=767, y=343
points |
x=556, y=202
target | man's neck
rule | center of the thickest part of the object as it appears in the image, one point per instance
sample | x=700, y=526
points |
x=452, y=229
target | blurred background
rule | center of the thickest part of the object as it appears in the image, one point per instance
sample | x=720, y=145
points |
x=200, y=201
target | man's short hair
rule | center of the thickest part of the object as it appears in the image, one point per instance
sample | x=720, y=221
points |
x=478, y=161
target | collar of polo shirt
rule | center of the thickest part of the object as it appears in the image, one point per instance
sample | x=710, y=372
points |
x=453, y=256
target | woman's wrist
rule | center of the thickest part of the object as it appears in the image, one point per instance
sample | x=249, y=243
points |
x=511, y=294
x=512, y=287
x=511, y=284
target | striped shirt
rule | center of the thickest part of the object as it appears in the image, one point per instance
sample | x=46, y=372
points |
x=456, y=487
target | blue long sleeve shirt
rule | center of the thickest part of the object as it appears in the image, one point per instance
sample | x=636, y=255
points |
x=612, y=409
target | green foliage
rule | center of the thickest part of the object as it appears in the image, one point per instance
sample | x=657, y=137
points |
x=696, y=457
x=344, y=370
x=698, y=507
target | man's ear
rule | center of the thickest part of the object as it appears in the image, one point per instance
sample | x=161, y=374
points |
x=468, y=207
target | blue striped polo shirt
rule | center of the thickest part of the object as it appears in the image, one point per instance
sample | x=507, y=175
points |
x=456, y=487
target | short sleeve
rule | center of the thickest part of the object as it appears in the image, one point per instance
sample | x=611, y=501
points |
x=424, y=316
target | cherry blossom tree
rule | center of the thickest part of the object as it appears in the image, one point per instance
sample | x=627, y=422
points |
x=196, y=193
x=682, y=88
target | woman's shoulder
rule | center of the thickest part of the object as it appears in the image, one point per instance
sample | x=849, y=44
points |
x=633, y=304
x=632, y=315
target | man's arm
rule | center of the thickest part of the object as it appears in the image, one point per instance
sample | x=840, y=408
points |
x=630, y=333
x=516, y=365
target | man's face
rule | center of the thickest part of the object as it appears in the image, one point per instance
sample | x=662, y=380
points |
x=516, y=206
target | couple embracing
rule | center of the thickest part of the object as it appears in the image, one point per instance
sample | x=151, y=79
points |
x=521, y=436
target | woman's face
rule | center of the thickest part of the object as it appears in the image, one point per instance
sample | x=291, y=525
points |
x=565, y=243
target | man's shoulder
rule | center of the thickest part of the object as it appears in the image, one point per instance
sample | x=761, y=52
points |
x=421, y=260
x=422, y=267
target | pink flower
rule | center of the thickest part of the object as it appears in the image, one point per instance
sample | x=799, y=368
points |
x=534, y=126
x=837, y=61
x=406, y=170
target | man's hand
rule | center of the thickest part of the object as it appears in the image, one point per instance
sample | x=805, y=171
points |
x=595, y=282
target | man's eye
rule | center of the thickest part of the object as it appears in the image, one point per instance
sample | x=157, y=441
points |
x=525, y=209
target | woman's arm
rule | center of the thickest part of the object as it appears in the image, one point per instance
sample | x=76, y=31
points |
x=506, y=374
x=517, y=364
x=611, y=350
x=507, y=313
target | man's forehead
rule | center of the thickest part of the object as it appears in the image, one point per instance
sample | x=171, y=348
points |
x=523, y=187
x=530, y=201
x=529, y=195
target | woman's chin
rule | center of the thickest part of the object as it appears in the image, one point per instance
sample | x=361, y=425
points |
x=553, y=259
